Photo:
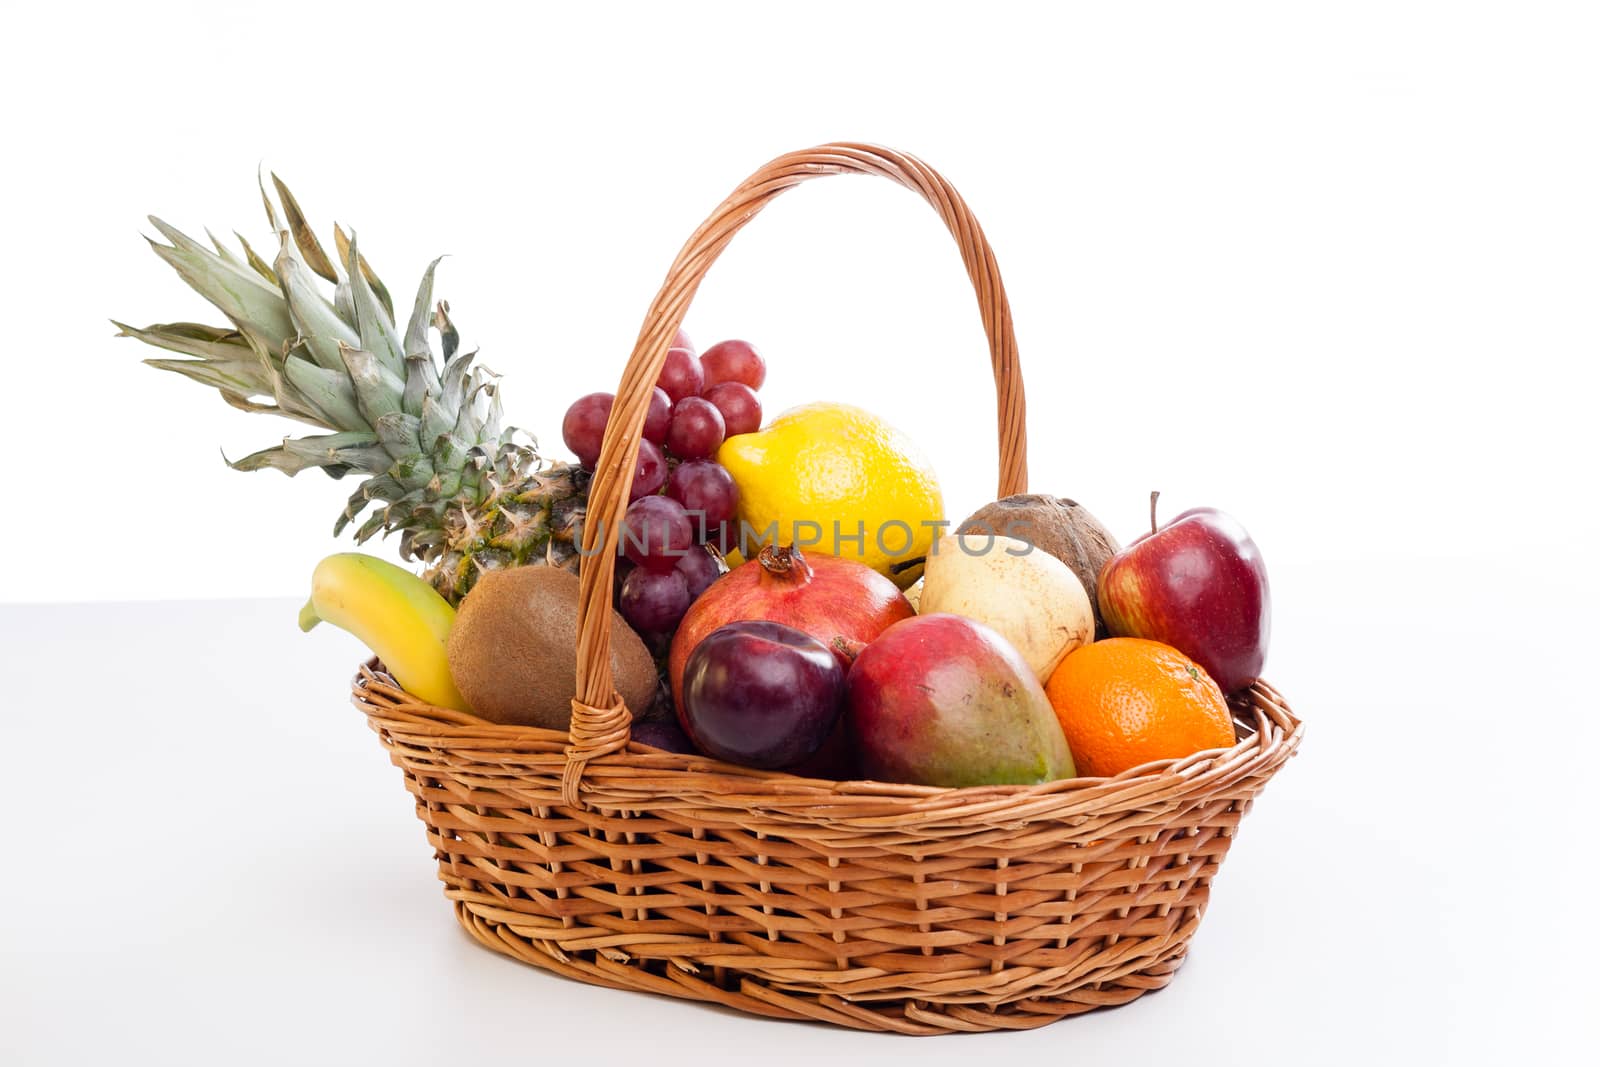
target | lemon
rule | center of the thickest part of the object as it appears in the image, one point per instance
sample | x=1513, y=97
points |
x=835, y=479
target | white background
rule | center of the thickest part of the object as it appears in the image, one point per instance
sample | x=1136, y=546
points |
x=1334, y=270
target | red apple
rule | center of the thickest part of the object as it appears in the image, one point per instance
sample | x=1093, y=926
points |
x=1197, y=584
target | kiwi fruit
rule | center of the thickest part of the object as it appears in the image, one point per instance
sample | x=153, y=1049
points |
x=513, y=650
x=1064, y=528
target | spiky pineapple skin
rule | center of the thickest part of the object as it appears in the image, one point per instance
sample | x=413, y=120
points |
x=537, y=519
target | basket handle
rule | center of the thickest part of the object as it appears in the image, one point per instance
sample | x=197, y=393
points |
x=600, y=722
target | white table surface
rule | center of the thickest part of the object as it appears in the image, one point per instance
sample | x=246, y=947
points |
x=210, y=860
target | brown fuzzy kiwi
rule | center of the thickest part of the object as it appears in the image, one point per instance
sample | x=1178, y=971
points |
x=1064, y=528
x=513, y=650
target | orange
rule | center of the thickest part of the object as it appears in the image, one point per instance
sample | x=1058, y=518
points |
x=1126, y=701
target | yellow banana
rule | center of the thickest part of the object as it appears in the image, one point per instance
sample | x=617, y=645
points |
x=396, y=614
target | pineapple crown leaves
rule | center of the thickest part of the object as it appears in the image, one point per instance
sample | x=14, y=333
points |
x=425, y=427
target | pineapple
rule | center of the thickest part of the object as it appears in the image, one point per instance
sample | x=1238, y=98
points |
x=465, y=495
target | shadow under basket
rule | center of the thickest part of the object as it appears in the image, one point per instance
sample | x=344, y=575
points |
x=875, y=906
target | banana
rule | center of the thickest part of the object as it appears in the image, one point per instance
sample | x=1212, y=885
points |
x=396, y=614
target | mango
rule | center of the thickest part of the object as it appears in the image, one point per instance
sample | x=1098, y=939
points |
x=944, y=700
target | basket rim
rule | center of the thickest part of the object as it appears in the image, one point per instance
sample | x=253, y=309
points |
x=1274, y=734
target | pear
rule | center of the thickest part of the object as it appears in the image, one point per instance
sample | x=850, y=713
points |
x=1028, y=596
x=1064, y=528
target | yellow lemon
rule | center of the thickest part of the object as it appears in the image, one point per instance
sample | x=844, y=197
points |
x=835, y=479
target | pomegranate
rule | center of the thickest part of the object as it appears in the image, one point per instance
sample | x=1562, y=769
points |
x=823, y=596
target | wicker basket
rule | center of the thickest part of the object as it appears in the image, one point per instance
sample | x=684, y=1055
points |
x=868, y=905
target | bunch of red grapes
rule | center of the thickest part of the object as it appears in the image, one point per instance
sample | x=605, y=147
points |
x=683, y=503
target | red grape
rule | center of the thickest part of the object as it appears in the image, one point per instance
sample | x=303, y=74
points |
x=584, y=427
x=734, y=361
x=658, y=417
x=651, y=473
x=708, y=493
x=681, y=340
x=654, y=603
x=681, y=375
x=699, y=568
x=740, y=407
x=725, y=539
x=619, y=574
x=656, y=533
x=697, y=429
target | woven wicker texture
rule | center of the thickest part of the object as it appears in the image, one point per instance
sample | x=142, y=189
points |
x=864, y=904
